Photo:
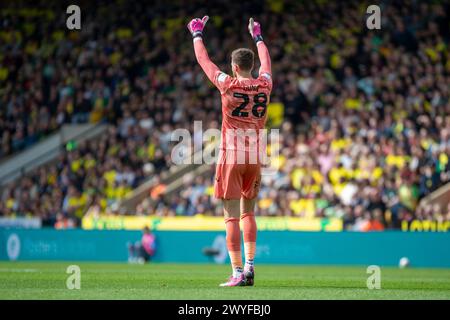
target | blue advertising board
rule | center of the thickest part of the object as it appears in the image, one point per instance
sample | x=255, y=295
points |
x=424, y=249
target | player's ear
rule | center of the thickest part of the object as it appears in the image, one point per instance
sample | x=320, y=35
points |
x=233, y=67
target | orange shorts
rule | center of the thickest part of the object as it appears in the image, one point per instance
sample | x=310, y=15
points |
x=234, y=181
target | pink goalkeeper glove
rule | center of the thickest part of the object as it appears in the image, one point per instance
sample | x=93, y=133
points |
x=196, y=26
x=255, y=30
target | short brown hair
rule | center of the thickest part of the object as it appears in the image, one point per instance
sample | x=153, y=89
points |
x=243, y=57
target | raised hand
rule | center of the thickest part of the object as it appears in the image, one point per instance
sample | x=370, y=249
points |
x=195, y=26
x=255, y=30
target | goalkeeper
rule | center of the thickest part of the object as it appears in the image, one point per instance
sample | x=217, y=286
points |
x=238, y=175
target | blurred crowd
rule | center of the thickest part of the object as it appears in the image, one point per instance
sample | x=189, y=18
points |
x=87, y=177
x=366, y=113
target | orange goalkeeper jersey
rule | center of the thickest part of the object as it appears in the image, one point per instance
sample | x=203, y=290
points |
x=244, y=101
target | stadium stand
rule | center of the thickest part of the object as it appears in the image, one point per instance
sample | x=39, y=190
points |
x=364, y=114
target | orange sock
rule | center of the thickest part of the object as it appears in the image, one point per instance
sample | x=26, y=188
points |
x=234, y=242
x=249, y=222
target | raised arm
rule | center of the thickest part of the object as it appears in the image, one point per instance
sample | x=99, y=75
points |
x=203, y=59
x=264, y=57
x=196, y=28
x=255, y=31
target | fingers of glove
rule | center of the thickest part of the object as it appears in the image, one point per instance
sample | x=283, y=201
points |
x=191, y=24
x=205, y=20
x=250, y=25
x=195, y=24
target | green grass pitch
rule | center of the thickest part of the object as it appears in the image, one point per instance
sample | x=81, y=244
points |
x=47, y=280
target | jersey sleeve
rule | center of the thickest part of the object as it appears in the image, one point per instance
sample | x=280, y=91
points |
x=222, y=81
x=265, y=71
x=266, y=78
x=203, y=60
x=264, y=57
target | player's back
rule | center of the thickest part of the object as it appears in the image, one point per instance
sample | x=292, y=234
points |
x=244, y=110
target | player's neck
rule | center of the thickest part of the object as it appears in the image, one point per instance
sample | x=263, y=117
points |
x=244, y=75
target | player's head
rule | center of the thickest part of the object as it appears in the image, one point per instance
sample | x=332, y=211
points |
x=242, y=61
